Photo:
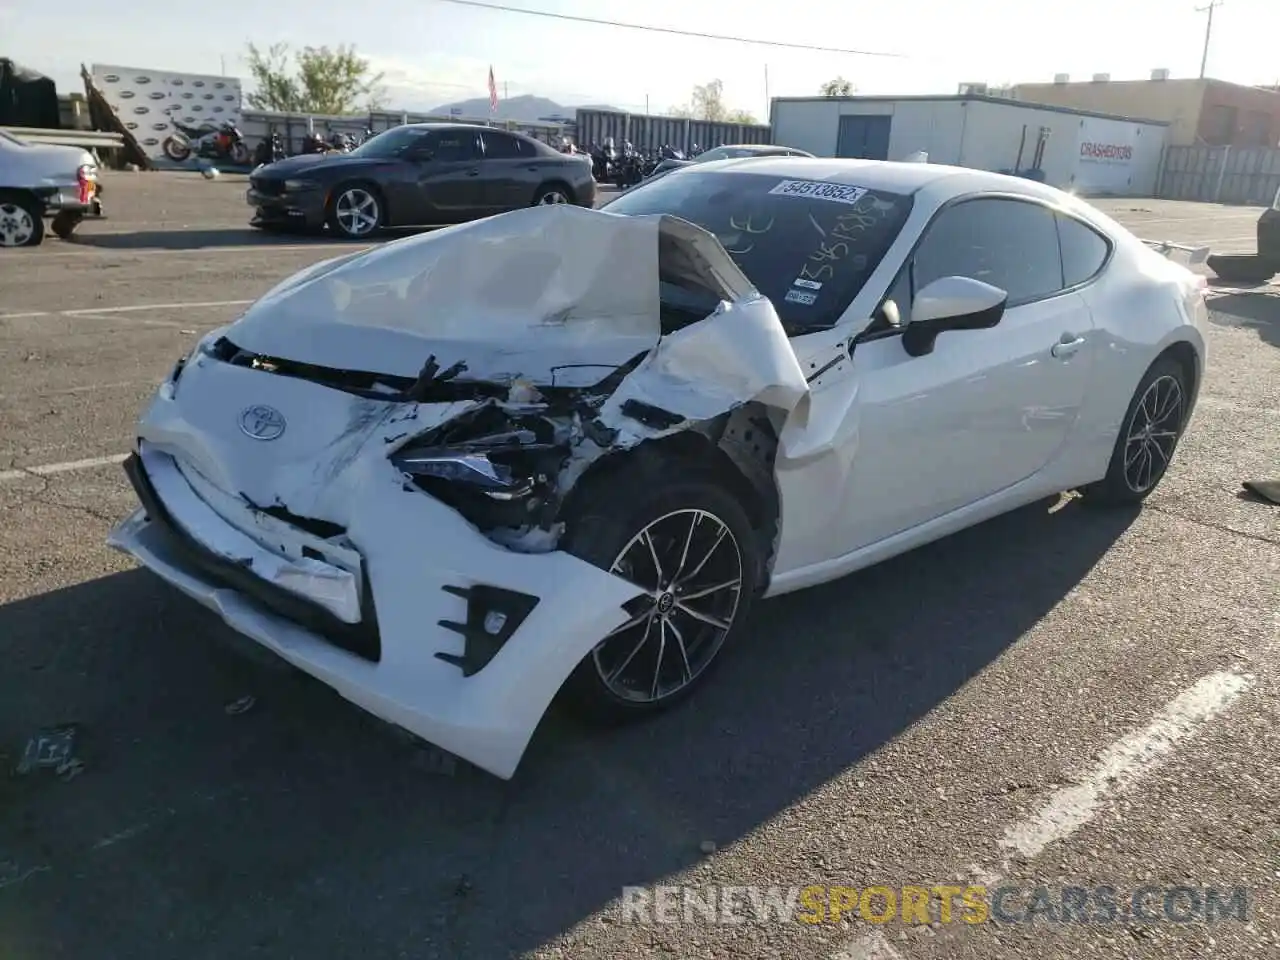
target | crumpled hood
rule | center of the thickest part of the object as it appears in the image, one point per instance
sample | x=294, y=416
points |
x=554, y=295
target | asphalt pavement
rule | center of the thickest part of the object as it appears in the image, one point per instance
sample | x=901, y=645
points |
x=1057, y=698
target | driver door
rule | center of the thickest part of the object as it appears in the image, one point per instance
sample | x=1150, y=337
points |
x=987, y=408
x=450, y=185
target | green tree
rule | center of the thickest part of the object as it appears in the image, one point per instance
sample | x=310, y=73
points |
x=706, y=103
x=321, y=80
x=839, y=87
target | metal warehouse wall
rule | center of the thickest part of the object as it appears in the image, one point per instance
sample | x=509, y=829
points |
x=652, y=132
x=1096, y=155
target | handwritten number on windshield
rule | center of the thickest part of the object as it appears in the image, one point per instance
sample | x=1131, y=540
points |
x=835, y=246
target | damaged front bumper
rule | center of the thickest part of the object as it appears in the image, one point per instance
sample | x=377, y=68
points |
x=462, y=643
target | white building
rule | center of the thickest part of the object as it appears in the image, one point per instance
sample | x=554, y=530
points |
x=1091, y=153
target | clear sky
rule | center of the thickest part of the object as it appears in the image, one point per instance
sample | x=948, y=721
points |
x=433, y=52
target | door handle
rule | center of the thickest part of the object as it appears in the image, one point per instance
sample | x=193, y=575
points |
x=1066, y=346
x=473, y=172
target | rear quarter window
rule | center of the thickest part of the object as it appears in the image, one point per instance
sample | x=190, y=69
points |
x=1084, y=250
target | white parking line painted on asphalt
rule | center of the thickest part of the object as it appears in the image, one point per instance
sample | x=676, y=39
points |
x=1126, y=761
x=68, y=466
x=1119, y=767
x=132, y=308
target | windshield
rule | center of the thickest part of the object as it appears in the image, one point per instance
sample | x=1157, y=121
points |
x=808, y=246
x=390, y=143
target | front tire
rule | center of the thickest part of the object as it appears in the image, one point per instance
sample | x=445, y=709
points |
x=21, y=220
x=1149, y=435
x=177, y=150
x=356, y=212
x=689, y=542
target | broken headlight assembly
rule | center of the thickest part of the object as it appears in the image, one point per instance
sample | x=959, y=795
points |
x=495, y=468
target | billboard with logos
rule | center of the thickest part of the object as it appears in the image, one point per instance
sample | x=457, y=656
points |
x=148, y=101
x=1107, y=152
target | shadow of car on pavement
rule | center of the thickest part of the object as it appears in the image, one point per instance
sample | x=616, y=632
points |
x=213, y=238
x=1259, y=311
x=306, y=825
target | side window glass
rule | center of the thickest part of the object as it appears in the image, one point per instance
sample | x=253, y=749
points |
x=499, y=147
x=1084, y=251
x=1010, y=244
x=455, y=146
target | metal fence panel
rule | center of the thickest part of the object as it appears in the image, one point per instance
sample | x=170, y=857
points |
x=597, y=126
x=654, y=133
x=257, y=125
x=707, y=134
x=1239, y=175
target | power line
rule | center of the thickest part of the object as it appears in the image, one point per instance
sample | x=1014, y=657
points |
x=668, y=30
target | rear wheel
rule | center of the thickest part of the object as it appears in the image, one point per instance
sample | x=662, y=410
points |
x=689, y=544
x=21, y=220
x=552, y=193
x=356, y=212
x=1149, y=435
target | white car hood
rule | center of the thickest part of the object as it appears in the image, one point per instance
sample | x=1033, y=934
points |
x=556, y=295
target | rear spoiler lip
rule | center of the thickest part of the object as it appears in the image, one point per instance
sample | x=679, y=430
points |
x=1188, y=256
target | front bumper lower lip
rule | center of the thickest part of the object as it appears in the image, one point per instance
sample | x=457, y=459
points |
x=305, y=207
x=361, y=638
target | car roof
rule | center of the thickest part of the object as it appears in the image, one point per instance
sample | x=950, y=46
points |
x=882, y=175
x=459, y=126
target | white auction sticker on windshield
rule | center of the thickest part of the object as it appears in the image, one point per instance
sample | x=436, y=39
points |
x=818, y=190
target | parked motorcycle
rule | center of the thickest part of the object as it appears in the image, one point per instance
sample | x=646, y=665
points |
x=269, y=150
x=341, y=142
x=314, y=143
x=222, y=141
x=629, y=166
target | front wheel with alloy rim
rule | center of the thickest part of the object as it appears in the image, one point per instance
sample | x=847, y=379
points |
x=355, y=212
x=1148, y=436
x=690, y=546
x=21, y=222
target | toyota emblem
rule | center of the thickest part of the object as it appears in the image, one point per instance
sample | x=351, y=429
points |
x=262, y=422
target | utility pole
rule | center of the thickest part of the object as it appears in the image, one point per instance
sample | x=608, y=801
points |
x=1208, y=32
x=505, y=94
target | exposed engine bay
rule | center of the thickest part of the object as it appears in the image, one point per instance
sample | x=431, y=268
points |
x=509, y=461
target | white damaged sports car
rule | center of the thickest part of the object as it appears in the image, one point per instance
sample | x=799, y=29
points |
x=563, y=451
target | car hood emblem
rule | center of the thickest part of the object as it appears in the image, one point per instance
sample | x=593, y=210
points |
x=262, y=422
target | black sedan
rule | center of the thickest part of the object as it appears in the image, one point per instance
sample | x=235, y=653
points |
x=733, y=152
x=415, y=174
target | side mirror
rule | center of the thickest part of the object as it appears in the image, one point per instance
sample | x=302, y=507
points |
x=951, y=303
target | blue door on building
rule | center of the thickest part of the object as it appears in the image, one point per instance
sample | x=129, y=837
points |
x=864, y=137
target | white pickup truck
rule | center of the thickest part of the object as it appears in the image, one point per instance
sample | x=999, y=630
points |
x=43, y=180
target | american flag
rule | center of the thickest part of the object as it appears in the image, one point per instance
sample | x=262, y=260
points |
x=493, y=93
